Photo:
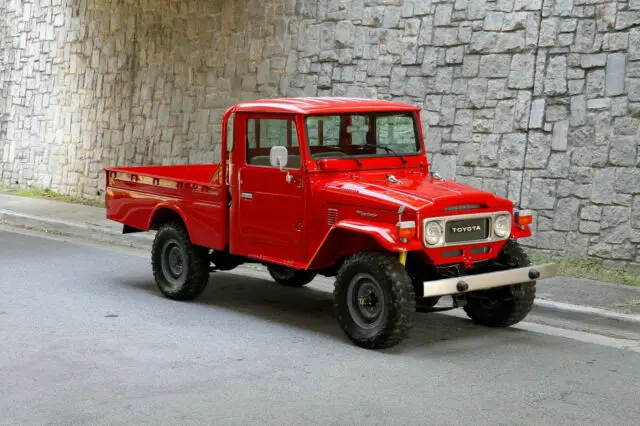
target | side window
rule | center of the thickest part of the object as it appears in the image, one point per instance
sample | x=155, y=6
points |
x=265, y=133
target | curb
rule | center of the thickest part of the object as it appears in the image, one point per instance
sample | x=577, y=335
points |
x=597, y=318
x=576, y=310
x=75, y=229
x=545, y=308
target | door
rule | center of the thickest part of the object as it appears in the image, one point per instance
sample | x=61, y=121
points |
x=268, y=201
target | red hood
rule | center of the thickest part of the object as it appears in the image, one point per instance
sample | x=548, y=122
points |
x=415, y=191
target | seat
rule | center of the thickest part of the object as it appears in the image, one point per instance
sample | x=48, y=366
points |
x=260, y=160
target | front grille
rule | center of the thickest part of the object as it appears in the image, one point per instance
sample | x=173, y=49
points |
x=475, y=229
x=452, y=253
x=462, y=229
x=479, y=250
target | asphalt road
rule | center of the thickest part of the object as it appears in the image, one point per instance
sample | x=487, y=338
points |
x=86, y=338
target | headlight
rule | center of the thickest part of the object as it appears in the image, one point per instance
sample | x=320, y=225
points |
x=433, y=233
x=502, y=226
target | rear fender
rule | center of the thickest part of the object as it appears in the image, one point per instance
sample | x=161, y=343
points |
x=159, y=210
x=348, y=237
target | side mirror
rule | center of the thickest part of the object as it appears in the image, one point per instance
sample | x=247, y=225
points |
x=278, y=156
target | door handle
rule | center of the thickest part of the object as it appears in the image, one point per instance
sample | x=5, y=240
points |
x=247, y=195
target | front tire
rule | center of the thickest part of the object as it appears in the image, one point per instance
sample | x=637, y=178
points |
x=504, y=307
x=423, y=304
x=290, y=277
x=374, y=300
x=180, y=269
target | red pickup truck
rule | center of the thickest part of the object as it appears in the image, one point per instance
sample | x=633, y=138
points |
x=341, y=188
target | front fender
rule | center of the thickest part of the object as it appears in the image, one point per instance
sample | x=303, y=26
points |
x=519, y=231
x=386, y=235
x=347, y=237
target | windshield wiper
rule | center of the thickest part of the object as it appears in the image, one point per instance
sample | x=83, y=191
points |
x=358, y=162
x=386, y=148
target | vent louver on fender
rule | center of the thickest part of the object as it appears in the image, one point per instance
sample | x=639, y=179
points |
x=332, y=216
x=464, y=207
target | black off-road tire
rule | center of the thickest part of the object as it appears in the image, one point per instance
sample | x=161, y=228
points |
x=172, y=241
x=290, y=277
x=397, y=300
x=504, y=307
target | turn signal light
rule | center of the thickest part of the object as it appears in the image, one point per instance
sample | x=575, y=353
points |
x=406, y=229
x=523, y=217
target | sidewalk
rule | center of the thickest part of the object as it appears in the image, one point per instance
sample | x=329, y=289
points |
x=67, y=219
x=577, y=297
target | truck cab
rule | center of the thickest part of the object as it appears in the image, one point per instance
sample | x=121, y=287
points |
x=294, y=166
x=342, y=188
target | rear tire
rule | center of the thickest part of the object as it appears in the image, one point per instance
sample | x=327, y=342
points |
x=180, y=269
x=506, y=306
x=374, y=300
x=290, y=277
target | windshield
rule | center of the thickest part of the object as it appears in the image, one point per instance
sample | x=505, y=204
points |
x=362, y=135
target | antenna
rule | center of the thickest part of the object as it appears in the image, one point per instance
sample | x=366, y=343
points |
x=400, y=211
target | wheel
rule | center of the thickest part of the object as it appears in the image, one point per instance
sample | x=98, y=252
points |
x=290, y=277
x=180, y=269
x=506, y=306
x=374, y=300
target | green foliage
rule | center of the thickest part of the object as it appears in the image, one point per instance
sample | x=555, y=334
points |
x=592, y=270
x=45, y=193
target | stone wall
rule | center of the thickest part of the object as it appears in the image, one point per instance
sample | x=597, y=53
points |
x=587, y=189
x=93, y=83
x=535, y=100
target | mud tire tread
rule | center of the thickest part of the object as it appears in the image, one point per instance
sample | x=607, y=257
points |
x=197, y=264
x=299, y=278
x=398, y=287
x=513, y=310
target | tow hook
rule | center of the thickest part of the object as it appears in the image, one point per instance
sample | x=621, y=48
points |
x=459, y=300
x=462, y=286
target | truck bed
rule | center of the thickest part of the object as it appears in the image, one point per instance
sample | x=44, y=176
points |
x=194, y=173
x=138, y=196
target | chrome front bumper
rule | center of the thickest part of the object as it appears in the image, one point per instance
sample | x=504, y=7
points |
x=465, y=284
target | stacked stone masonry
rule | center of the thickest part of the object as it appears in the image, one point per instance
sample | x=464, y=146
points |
x=538, y=101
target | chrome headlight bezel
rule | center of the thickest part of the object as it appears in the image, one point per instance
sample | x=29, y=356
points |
x=440, y=226
x=498, y=221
